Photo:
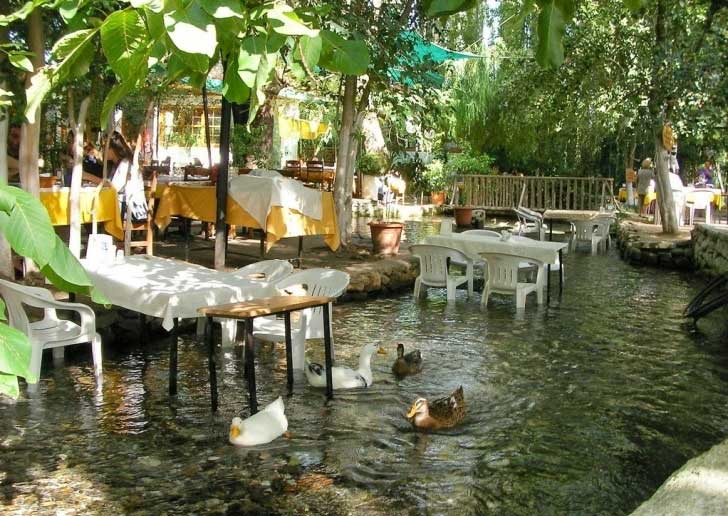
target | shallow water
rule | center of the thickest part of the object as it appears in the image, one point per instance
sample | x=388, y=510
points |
x=583, y=406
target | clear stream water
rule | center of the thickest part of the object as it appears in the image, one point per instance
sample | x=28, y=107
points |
x=583, y=406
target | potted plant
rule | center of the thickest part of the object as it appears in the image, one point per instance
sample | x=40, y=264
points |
x=435, y=182
x=369, y=166
x=461, y=165
x=386, y=233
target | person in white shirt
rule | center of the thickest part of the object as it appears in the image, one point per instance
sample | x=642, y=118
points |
x=127, y=179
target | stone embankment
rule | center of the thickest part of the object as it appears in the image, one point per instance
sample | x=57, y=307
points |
x=644, y=244
x=382, y=277
x=710, y=247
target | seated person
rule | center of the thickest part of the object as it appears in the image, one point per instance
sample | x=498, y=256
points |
x=705, y=174
x=13, y=151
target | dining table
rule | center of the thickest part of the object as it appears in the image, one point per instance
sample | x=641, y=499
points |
x=104, y=208
x=549, y=253
x=170, y=290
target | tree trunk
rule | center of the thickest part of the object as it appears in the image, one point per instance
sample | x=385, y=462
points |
x=6, y=259
x=30, y=133
x=342, y=189
x=74, y=198
x=657, y=104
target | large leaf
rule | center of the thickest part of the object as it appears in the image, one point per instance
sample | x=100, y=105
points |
x=21, y=61
x=118, y=92
x=28, y=229
x=350, y=57
x=65, y=271
x=233, y=88
x=9, y=385
x=434, y=8
x=222, y=8
x=309, y=51
x=284, y=20
x=191, y=30
x=123, y=35
x=251, y=50
x=14, y=352
x=257, y=93
x=22, y=13
x=40, y=86
x=68, y=9
x=551, y=27
x=69, y=44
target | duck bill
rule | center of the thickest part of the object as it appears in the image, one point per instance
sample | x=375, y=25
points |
x=412, y=412
x=382, y=351
x=234, y=432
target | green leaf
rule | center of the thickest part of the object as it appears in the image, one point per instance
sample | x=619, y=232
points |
x=155, y=24
x=28, y=230
x=233, y=88
x=9, y=385
x=153, y=5
x=251, y=50
x=21, y=61
x=118, y=92
x=635, y=5
x=7, y=200
x=65, y=271
x=284, y=20
x=222, y=8
x=123, y=34
x=309, y=51
x=551, y=27
x=434, y=8
x=191, y=30
x=68, y=9
x=40, y=86
x=15, y=352
x=70, y=43
x=350, y=57
x=257, y=97
x=2, y=310
x=21, y=13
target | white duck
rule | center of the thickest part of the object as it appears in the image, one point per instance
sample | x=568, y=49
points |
x=345, y=377
x=263, y=427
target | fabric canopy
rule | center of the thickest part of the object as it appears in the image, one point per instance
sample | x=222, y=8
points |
x=303, y=129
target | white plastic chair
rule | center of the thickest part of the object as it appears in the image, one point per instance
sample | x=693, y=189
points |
x=270, y=271
x=503, y=278
x=530, y=221
x=310, y=324
x=586, y=231
x=700, y=200
x=603, y=224
x=434, y=269
x=50, y=332
x=529, y=266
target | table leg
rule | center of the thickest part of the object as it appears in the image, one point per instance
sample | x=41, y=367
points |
x=143, y=336
x=561, y=272
x=188, y=230
x=551, y=231
x=289, y=351
x=173, y=358
x=328, y=351
x=548, y=283
x=211, y=363
x=300, y=246
x=250, y=365
x=262, y=243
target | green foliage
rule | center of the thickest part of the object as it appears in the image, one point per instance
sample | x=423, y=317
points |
x=435, y=177
x=371, y=164
x=468, y=164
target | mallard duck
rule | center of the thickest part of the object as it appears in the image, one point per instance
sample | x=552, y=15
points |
x=440, y=413
x=410, y=363
x=263, y=427
x=345, y=377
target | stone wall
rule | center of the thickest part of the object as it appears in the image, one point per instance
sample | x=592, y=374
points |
x=381, y=277
x=640, y=244
x=711, y=248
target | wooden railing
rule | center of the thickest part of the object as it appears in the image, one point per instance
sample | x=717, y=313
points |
x=537, y=193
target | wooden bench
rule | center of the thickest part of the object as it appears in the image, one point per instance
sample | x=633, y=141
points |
x=249, y=310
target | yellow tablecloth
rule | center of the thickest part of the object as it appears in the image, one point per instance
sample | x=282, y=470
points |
x=717, y=197
x=107, y=211
x=198, y=202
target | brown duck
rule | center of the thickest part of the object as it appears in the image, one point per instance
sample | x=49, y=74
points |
x=440, y=413
x=410, y=363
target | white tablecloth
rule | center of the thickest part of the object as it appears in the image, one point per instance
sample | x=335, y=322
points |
x=169, y=289
x=258, y=194
x=472, y=245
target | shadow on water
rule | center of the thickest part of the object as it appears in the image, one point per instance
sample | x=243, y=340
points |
x=582, y=406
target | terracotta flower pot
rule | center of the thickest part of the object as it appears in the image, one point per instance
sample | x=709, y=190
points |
x=437, y=198
x=386, y=236
x=463, y=216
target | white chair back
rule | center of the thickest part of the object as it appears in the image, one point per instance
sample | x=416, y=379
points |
x=271, y=270
x=434, y=261
x=446, y=226
x=13, y=295
x=584, y=230
x=316, y=282
x=482, y=233
x=502, y=271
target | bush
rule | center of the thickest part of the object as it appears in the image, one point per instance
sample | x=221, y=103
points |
x=370, y=164
x=467, y=164
x=435, y=179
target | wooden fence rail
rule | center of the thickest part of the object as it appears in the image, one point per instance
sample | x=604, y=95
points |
x=537, y=193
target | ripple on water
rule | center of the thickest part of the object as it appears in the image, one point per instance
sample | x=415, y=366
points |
x=584, y=406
